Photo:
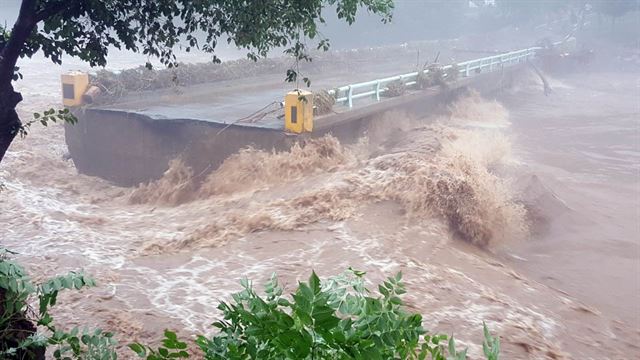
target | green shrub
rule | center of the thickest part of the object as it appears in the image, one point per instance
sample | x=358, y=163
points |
x=18, y=336
x=337, y=319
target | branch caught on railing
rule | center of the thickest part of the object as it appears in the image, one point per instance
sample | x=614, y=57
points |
x=430, y=76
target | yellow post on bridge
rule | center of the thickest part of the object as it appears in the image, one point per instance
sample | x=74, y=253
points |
x=298, y=111
x=74, y=84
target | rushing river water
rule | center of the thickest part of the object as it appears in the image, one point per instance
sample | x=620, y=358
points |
x=583, y=146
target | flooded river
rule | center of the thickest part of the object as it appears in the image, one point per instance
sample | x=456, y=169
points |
x=521, y=212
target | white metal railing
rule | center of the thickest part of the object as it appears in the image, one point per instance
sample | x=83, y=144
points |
x=374, y=89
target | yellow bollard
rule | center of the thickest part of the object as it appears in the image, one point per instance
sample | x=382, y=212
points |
x=298, y=111
x=74, y=84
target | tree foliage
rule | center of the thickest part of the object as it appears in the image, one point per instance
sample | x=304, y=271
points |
x=335, y=319
x=89, y=29
x=616, y=8
x=19, y=338
x=521, y=12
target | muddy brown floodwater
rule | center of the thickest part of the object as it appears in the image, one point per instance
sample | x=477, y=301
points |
x=581, y=148
x=521, y=212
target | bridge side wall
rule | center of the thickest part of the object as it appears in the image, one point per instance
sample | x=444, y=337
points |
x=128, y=148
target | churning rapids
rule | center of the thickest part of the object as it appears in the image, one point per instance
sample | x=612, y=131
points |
x=522, y=213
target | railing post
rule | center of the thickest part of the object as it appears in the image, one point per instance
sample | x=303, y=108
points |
x=350, y=96
x=466, y=70
x=378, y=90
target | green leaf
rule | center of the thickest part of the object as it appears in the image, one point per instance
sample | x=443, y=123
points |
x=170, y=335
x=395, y=300
x=164, y=352
x=314, y=282
x=139, y=349
x=436, y=339
x=357, y=273
x=244, y=282
x=452, y=346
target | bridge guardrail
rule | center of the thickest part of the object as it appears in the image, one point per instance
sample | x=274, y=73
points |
x=345, y=95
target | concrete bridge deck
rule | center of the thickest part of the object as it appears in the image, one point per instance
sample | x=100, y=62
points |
x=226, y=102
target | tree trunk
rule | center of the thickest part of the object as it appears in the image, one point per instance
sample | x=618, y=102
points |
x=9, y=121
x=9, y=54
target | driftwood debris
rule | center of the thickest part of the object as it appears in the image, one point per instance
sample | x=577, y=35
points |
x=547, y=88
x=91, y=95
x=395, y=88
x=323, y=102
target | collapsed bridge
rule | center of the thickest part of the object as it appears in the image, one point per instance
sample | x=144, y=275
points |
x=132, y=140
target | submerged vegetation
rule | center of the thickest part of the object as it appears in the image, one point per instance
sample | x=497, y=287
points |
x=338, y=318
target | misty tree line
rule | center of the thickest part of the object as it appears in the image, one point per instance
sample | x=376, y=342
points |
x=437, y=19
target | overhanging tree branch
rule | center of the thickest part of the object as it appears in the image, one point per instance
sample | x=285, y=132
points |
x=87, y=29
x=53, y=8
x=19, y=34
